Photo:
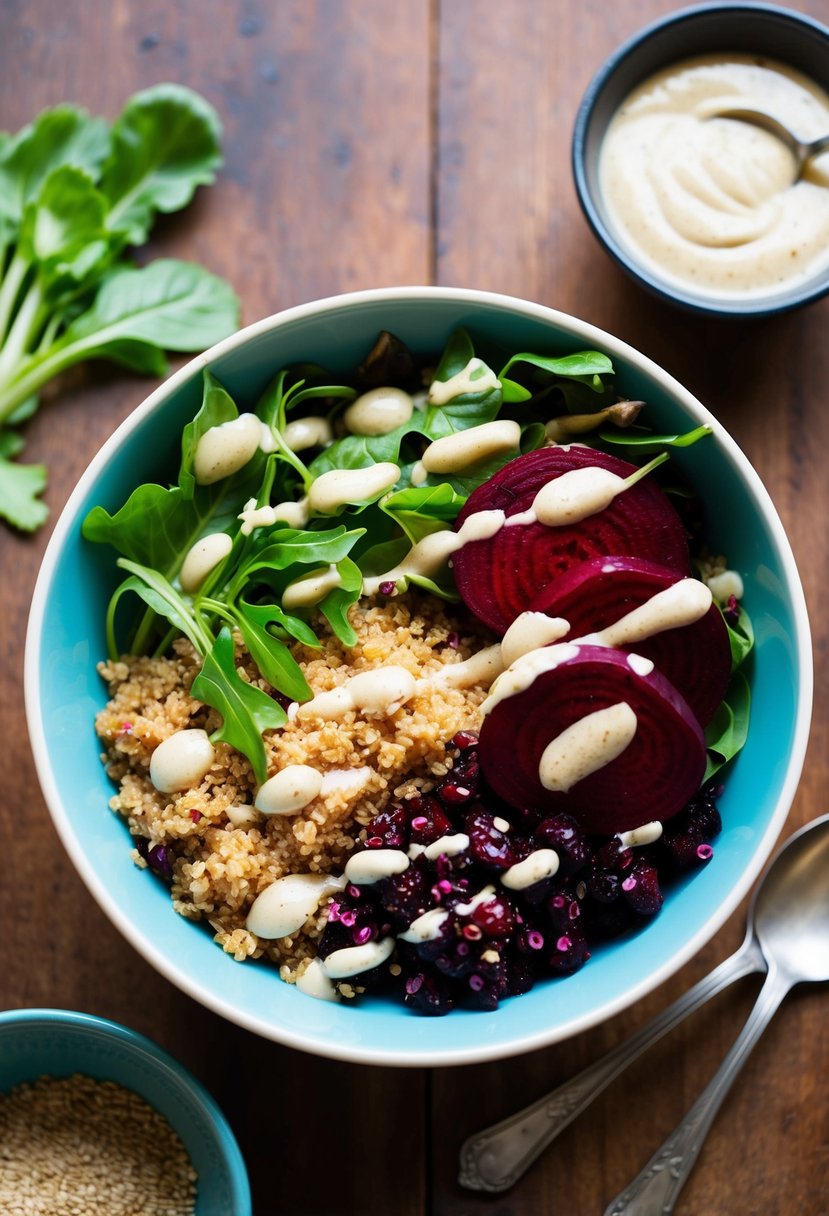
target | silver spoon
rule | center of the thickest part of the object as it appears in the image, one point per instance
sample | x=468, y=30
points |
x=801, y=150
x=789, y=913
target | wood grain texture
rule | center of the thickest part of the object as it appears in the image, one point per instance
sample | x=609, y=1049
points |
x=370, y=143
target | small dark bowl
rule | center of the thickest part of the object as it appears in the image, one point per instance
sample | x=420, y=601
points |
x=760, y=29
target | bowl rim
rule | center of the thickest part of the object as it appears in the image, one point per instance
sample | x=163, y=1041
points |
x=154, y=1057
x=295, y=1036
x=696, y=303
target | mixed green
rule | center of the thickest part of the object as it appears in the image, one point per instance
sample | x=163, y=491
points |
x=156, y=528
x=76, y=195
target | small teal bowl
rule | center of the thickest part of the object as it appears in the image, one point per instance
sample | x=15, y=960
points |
x=63, y=692
x=58, y=1043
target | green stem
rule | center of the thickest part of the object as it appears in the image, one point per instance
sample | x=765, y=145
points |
x=24, y=327
x=646, y=468
x=18, y=269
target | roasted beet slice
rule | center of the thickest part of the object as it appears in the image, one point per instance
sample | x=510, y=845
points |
x=499, y=577
x=696, y=658
x=545, y=693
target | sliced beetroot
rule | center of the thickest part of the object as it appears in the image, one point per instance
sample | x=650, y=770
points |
x=695, y=658
x=654, y=777
x=499, y=577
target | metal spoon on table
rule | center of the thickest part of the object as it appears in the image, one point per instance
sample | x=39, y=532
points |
x=789, y=914
x=802, y=150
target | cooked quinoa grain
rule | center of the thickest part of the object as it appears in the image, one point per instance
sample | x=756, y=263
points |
x=74, y=1146
x=221, y=850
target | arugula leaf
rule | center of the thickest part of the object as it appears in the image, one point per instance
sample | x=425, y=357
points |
x=727, y=731
x=337, y=602
x=164, y=144
x=246, y=710
x=272, y=656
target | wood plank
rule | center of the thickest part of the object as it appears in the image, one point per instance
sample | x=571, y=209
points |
x=325, y=189
x=511, y=79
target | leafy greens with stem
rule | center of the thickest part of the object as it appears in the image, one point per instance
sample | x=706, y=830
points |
x=76, y=193
x=242, y=598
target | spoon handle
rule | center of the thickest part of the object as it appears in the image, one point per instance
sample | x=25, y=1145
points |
x=495, y=1158
x=654, y=1191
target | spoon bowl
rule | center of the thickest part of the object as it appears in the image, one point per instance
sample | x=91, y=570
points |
x=791, y=908
x=802, y=150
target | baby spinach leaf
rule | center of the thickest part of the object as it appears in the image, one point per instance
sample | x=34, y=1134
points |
x=584, y=368
x=423, y=509
x=217, y=407
x=643, y=439
x=246, y=710
x=64, y=135
x=63, y=229
x=164, y=144
x=740, y=637
x=20, y=487
x=727, y=731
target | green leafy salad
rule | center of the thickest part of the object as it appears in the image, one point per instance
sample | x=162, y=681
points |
x=76, y=195
x=281, y=558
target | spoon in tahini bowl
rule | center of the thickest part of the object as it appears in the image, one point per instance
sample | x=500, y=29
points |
x=801, y=149
x=789, y=918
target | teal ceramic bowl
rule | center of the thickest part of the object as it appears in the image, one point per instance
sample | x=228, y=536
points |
x=63, y=691
x=58, y=1043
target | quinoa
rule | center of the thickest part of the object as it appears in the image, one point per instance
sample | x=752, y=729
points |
x=221, y=852
x=74, y=1146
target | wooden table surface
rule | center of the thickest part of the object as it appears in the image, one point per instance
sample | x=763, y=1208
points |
x=371, y=143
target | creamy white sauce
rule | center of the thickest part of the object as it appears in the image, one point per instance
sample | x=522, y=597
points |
x=314, y=982
x=303, y=433
x=640, y=665
x=284, y=907
x=541, y=864
x=480, y=668
x=483, y=897
x=224, y=449
x=181, y=761
x=525, y=670
x=311, y=588
x=243, y=815
x=344, y=780
x=588, y=745
x=427, y=927
x=428, y=557
x=529, y=631
x=503, y=825
x=454, y=453
x=683, y=603
x=711, y=203
x=370, y=865
x=419, y=473
x=476, y=377
x=446, y=846
x=294, y=514
x=382, y=690
x=724, y=585
x=289, y=791
x=378, y=411
x=351, y=960
x=203, y=557
x=574, y=496
x=336, y=488
x=646, y=833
